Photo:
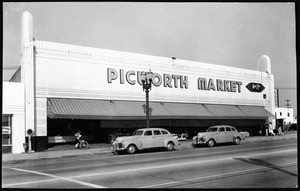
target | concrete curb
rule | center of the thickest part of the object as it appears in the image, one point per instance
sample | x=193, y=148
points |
x=19, y=158
x=26, y=157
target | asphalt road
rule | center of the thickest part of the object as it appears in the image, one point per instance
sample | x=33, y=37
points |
x=249, y=165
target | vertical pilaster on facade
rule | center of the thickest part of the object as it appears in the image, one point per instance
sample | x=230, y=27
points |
x=27, y=69
x=272, y=100
x=264, y=65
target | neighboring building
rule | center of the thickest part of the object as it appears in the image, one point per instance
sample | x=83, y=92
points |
x=13, y=118
x=69, y=87
x=284, y=116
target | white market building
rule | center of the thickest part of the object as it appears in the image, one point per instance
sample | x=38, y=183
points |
x=61, y=88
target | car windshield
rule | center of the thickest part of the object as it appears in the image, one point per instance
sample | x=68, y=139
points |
x=212, y=129
x=137, y=133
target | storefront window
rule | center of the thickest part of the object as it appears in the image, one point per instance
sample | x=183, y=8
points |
x=6, y=130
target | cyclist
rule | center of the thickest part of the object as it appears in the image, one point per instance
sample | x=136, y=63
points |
x=77, y=138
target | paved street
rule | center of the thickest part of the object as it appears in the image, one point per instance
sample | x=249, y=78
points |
x=249, y=165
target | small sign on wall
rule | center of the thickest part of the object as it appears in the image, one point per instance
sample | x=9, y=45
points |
x=255, y=87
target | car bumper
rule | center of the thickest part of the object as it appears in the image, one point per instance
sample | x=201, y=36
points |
x=117, y=147
x=198, y=142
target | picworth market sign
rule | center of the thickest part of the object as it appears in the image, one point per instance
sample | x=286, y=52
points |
x=175, y=81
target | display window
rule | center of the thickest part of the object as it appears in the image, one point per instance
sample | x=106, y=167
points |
x=6, y=130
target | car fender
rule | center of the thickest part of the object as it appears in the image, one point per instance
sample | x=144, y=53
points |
x=238, y=136
x=213, y=137
x=137, y=143
x=175, y=141
x=242, y=137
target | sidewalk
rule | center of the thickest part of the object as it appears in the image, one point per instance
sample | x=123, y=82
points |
x=60, y=151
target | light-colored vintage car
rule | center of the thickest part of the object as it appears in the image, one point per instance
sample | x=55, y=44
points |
x=218, y=134
x=145, y=138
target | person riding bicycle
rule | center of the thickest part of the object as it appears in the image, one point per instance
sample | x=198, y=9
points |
x=77, y=138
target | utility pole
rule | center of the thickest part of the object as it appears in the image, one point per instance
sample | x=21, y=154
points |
x=288, y=103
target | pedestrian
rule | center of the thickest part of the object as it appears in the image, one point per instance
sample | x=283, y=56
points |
x=266, y=129
x=271, y=129
x=77, y=138
x=279, y=130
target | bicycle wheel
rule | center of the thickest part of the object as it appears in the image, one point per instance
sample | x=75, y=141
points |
x=84, y=145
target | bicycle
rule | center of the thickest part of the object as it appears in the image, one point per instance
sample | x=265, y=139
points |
x=83, y=145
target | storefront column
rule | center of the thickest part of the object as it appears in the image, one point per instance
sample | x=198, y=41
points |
x=40, y=137
x=27, y=70
x=264, y=65
x=271, y=108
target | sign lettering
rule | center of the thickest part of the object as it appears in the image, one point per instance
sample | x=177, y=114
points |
x=179, y=81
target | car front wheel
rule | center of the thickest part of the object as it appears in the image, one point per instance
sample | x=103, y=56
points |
x=170, y=146
x=131, y=149
x=237, y=141
x=211, y=143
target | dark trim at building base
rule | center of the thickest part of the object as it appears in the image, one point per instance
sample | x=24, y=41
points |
x=38, y=143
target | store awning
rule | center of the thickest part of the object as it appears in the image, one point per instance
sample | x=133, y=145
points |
x=186, y=110
x=125, y=110
x=225, y=111
x=255, y=111
x=116, y=110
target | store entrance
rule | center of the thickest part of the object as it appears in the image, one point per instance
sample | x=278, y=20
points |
x=63, y=130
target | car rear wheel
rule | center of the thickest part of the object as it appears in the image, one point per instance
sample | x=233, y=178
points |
x=211, y=143
x=131, y=149
x=170, y=146
x=237, y=141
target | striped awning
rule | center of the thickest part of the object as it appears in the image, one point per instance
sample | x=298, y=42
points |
x=116, y=110
x=225, y=111
x=255, y=111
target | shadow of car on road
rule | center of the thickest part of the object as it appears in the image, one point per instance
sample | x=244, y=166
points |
x=216, y=145
x=256, y=161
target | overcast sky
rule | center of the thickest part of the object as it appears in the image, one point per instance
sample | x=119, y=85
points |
x=230, y=34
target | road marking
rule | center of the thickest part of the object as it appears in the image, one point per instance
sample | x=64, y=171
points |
x=161, y=166
x=214, y=176
x=55, y=177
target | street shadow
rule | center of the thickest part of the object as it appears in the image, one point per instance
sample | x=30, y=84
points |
x=266, y=164
x=150, y=150
x=216, y=145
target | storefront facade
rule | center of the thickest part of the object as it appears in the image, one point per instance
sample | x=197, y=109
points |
x=69, y=87
x=13, y=118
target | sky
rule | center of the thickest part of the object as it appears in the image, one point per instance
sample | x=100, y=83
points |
x=229, y=34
